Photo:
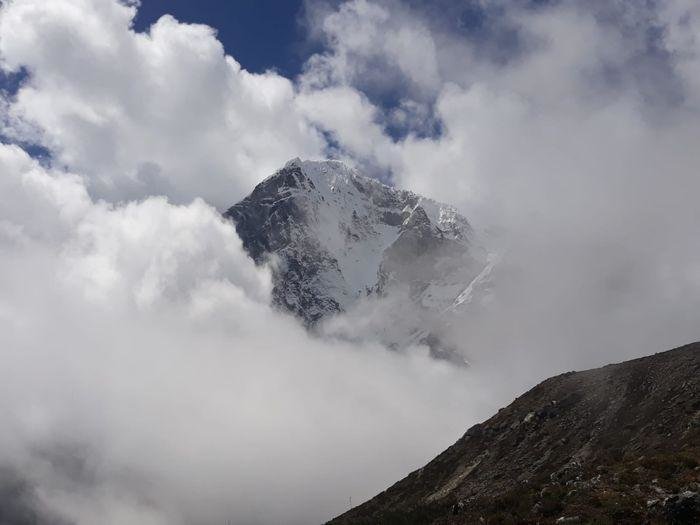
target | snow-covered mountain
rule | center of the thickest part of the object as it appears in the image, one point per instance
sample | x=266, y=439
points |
x=342, y=242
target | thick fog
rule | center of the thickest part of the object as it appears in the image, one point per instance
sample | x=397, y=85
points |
x=567, y=135
x=145, y=379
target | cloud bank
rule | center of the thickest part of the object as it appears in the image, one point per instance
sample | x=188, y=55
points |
x=122, y=108
x=568, y=131
x=146, y=380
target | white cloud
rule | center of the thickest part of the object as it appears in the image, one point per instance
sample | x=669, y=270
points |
x=350, y=119
x=145, y=378
x=592, y=183
x=34, y=204
x=578, y=149
x=369, y=45
x=163, y=112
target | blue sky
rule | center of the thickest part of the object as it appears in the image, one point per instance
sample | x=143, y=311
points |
x=260, y=34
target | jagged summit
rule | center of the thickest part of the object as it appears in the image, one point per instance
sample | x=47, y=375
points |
x=331, y=178
x=336, y=236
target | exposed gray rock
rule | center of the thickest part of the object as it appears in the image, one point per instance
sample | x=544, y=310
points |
x=683, y=507
x=335, y=238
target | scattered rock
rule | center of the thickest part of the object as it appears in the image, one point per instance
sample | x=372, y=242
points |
x=683, y=507
x=475, y=431
x=569, y=519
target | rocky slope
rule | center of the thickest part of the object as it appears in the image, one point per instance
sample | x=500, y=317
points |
x=618, y=444
x=336, y=238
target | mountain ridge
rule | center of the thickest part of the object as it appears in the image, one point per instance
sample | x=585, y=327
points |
x=617, y=444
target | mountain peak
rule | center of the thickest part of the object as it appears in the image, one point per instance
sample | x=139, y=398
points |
x=330, y=175
x=338, y=237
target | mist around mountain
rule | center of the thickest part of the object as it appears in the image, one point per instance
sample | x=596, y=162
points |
x=619, y=444
x=399, y=267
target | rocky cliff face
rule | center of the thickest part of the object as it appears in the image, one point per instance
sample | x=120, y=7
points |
x=618, y=444
x=335, y=238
